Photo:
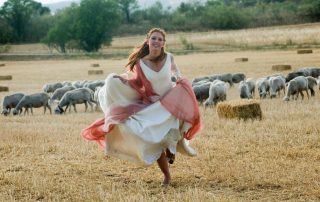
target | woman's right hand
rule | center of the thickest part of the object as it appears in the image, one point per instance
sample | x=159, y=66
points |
x=123, y=80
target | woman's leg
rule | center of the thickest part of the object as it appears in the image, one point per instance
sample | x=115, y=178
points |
x=163, y=165
x=170, y=156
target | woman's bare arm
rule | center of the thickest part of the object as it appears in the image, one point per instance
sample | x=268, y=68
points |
x=174, y=68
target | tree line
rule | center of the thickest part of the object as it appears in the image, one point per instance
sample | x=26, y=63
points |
x=92, y=23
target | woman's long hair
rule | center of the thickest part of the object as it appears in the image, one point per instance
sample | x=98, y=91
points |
x=143, y=50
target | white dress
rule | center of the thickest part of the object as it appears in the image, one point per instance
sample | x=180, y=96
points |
x=146, y=134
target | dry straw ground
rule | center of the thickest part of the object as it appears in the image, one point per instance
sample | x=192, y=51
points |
x=43, y=157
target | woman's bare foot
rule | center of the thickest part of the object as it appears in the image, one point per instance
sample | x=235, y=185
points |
x=170, y=156
x=163, y=165
x=166, y=181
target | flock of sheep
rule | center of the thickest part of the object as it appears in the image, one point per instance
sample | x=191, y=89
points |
x=64, y=94
x=208, y=89
x=213, y=89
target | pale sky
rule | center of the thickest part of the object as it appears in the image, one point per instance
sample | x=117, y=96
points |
x=41, y=1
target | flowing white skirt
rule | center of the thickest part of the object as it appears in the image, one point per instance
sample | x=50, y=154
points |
x=144, y=135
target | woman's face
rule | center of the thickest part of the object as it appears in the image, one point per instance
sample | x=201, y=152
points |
x=156, y=41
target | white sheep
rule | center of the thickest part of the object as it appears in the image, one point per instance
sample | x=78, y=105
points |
x=66, y=83
x=201, y=82
x=252, y=86
x=51, y=87
x=263, y=87
x=202, y=91
x=296, y=86
x=277, y=83
x=93, y=84
x=58, y=93
x=32, y=101
x=79, y=84
x=9, y=102
x=222, y=77
x=312, y=82
x=217, y=93
x=238, y=77
x=247, y=88
x=197, y=79
x=77, y=96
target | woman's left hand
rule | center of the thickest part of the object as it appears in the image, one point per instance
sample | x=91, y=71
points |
x=154, y=98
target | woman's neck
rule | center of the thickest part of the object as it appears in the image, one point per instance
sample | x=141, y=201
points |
x=153, y=55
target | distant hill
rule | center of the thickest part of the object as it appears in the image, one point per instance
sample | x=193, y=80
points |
x=142, y=4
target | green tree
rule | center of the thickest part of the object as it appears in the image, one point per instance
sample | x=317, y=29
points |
x=97, y=21
x=157, y=15
x=18, y=14
x=310, y=10
x=64, y=29
x=39, y=27
x=5, y=32
x=187, y=16
x=128, y=7
x=224, y=17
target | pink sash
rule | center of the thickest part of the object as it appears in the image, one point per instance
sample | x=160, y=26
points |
x=187, y=110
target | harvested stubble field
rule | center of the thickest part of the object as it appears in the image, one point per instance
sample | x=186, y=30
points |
x=44, y=158
x=277, y=37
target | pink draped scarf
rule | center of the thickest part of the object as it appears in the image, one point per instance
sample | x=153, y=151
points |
x=187, y=111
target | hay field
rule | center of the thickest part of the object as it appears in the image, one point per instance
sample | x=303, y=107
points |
x=255, y=38
x=284, y=37
x=43, y=157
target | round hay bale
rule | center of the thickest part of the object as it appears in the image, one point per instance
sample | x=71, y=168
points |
x=4, y=88
x=95, y=65
x=240, y=109
x=241, y=59
x=2, y=64
x=6, y=77
x=304, y=51
x=281, y=67
x=94, y=72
